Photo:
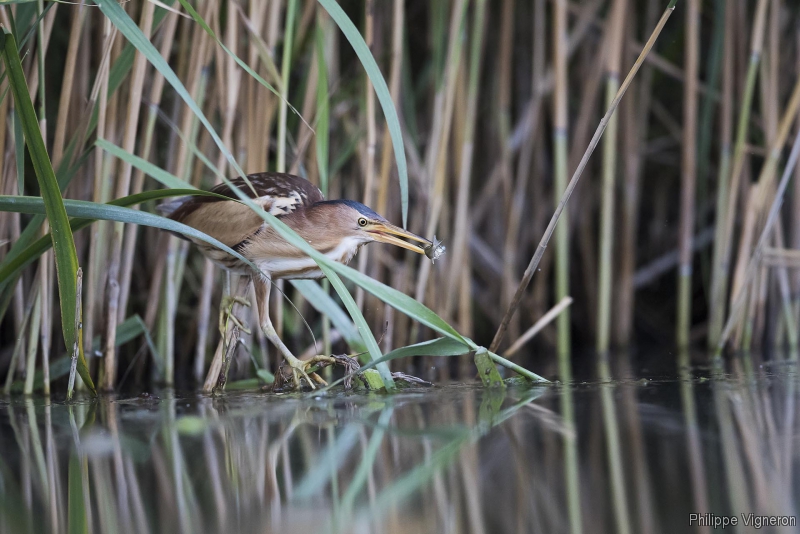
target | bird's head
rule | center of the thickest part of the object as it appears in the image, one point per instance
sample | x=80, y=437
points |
x=348, y=218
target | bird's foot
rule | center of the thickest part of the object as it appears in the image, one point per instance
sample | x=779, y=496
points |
x=226, y=313
x=307, y=370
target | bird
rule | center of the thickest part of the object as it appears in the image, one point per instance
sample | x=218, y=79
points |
x=335, y=228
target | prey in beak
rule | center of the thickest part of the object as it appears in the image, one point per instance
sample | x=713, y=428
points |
x=388, y=233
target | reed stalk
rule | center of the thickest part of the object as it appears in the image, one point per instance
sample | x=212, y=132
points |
x=462, y=227
x=753, y=265
x=100, y=188
x=560, y=135
x=613, y=49
x=368, y=157
x=112, y=309
x=286, y=65
x=137, y=184
x=726, y=213
x=436, y=161
x=688, y=173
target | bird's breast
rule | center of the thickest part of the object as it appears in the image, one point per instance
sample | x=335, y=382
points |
x=295, y=267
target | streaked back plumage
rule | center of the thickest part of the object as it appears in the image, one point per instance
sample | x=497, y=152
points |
x=285, y=196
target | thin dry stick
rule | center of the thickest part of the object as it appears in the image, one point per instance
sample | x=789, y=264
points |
x=526, y=278
x=738, y=304
x=546, y=319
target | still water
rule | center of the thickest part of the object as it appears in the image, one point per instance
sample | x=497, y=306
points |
x=637, y=456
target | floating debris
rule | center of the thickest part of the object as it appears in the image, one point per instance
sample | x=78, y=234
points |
x=435, y=250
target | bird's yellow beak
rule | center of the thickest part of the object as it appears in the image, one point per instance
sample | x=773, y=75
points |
x=386, y=232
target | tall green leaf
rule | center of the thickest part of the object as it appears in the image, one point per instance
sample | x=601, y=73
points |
x=63, y=244
x=381, y=90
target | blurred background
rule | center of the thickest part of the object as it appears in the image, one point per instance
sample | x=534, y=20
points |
x=497, y=101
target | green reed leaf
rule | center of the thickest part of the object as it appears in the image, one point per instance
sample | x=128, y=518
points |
x=53, y=205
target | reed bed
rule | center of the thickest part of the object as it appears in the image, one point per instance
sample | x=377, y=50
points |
x=463, y=118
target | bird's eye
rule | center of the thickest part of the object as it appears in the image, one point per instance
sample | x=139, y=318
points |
x=362, y=221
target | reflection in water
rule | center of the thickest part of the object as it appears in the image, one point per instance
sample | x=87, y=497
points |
x=450, y=459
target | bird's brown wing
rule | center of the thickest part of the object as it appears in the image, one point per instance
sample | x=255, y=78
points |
x=233, y=222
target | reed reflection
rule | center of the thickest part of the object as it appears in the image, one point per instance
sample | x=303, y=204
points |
x=451, y=459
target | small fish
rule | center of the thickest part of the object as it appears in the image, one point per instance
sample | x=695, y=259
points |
x=435, y=250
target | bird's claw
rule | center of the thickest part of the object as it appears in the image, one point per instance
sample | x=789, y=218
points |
x=306, y=369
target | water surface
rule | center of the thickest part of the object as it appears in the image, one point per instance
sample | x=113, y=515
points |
x=639, y=456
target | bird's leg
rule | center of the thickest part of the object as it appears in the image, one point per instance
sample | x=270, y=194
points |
x=299, y=367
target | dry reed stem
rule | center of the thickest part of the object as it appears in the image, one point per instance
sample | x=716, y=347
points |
x=137, y=185
x=737, y=306
x=461, y=231
x=436, y=160
x=718, y=288
x=112, y=309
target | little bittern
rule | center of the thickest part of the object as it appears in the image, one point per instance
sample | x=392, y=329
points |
x=336, y=228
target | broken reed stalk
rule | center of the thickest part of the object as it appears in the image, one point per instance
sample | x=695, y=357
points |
x=688, y=173
x=534, y=263
x=560, y=128
x=755, y=260
x=727, y=214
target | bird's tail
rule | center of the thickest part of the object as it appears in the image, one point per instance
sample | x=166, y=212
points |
x=168, y=208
